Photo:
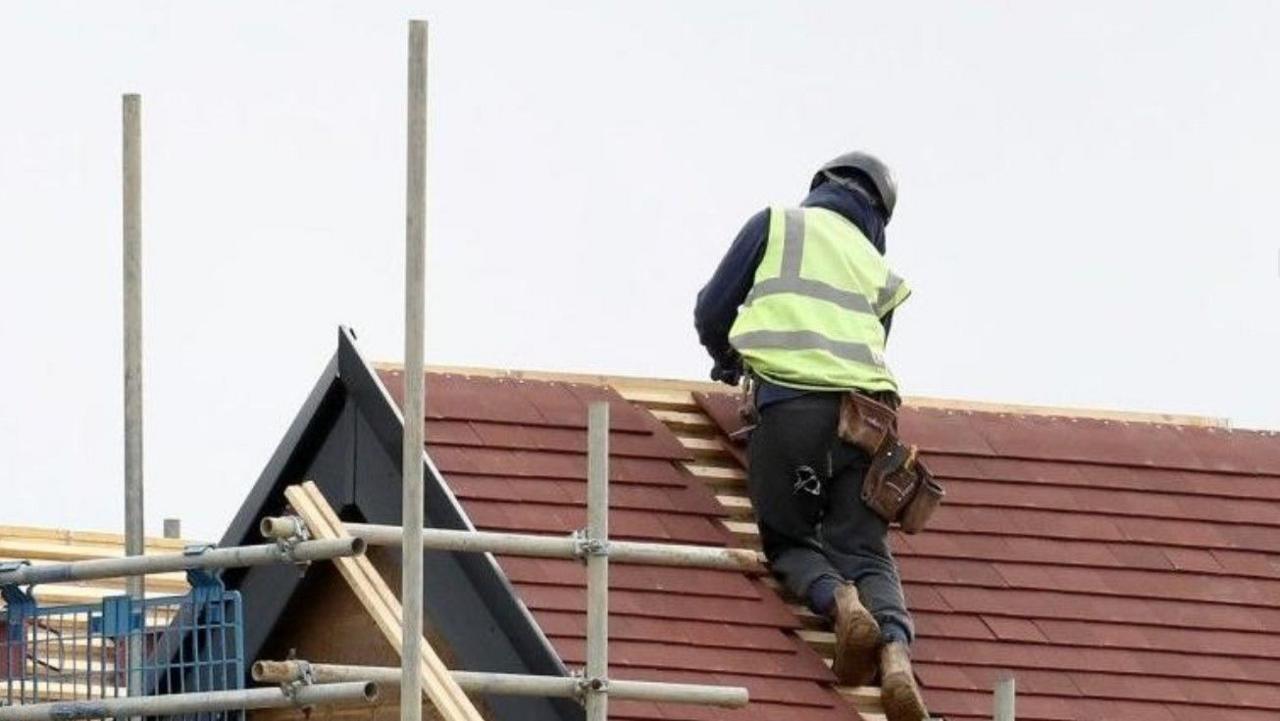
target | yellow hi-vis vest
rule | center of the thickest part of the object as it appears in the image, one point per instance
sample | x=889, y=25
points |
x=812, y=318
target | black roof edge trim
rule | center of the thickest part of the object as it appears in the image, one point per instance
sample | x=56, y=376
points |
x=244, y=524
x=444, y=511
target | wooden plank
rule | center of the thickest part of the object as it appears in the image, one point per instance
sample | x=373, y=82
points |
x=717, y=473
x=808, y=617
x=1019, y=409
x=79, y=664
x=40, y=640
x=745, y=532
x=374, y=594
x=86, y=538
x=377, y=598
x=709, y=470
x=43, y=546
x=824, y=642
x=861, y=696
x=659, y=398
x=721, y=479
x=386, y=708
x=711, y=450
x=57, y=594
x=42, y=550
x=617, y=381
x=64, y=628
x=773, y=582
x=737, y=506
x=704, y=446
x=59, y=691
x=364, y=580
x=684, y=421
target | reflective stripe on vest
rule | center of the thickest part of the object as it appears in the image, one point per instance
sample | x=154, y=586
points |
x=818, y=327
x=807, y=340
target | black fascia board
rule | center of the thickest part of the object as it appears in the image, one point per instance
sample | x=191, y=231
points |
x=317, y=411
x=347, y=438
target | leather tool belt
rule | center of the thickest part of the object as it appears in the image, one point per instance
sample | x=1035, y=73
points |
x=898, y=486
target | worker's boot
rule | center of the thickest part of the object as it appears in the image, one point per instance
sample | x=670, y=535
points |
x=898, y=690
x=857, y=638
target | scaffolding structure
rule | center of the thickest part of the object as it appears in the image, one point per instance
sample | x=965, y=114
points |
x=414, y=387
x=122, y=646
x=590, y=545
x=193, y=557
x=317, y=534
x=133, y=657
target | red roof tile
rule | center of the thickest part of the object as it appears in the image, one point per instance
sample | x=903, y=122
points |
x=1119, y=570
x=513, y=451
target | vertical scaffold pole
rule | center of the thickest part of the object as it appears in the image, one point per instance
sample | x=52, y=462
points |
x=597, y=540
x=133, y=518
x=414, y=389
x=1004, y=699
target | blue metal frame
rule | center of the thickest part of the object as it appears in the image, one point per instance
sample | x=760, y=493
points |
x=79, y=652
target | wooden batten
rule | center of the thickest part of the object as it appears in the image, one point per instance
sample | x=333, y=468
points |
x=686, y=423
x=381, y=604
x=718, y=469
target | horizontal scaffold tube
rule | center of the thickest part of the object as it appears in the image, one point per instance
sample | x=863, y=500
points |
x=507, y=684
x=524, y=544
x=230, y=557
x=192, y=703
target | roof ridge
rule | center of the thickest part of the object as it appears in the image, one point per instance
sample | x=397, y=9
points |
x=930, y=402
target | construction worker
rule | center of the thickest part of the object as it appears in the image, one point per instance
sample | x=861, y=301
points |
x=802, y=304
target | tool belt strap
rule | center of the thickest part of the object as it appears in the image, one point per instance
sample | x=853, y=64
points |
x=898, y=486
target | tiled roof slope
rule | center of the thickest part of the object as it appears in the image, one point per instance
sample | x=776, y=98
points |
x=1118, y=570
x=513, y=451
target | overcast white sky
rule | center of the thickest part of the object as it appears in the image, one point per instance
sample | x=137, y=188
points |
x=1088, y=195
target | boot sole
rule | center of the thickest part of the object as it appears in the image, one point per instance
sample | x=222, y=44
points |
x=902, y=702
x=861, y=644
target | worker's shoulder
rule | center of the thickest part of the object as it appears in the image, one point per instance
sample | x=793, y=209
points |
x=757, y=224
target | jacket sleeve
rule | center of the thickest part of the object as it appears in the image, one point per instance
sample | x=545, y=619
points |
x=886, y=320
x=718, y=301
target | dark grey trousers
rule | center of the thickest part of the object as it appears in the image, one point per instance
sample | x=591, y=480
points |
x=805, y=485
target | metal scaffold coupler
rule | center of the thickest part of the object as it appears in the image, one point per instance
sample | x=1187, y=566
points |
x=19, y=602
x=305, y=678
x=584, y=546
x=592, y=685
x=288, y=543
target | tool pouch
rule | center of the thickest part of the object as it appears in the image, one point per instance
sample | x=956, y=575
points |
x=898, y=486
x=866, y=423
x=927, y=498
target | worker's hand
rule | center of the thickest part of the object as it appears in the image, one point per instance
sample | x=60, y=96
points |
x=728, y=369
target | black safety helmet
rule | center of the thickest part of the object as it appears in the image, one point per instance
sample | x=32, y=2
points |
x=840, y=170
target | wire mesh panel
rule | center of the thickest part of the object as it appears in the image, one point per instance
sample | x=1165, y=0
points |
x=82, y=652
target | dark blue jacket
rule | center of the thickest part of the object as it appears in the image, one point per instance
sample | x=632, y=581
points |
x=719, y=299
